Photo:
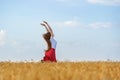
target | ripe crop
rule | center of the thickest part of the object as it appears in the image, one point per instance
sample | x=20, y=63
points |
x=60, y=71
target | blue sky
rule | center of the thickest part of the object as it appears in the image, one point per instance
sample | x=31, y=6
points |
x=86, y=30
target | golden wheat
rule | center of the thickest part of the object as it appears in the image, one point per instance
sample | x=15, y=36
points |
x=60, y=71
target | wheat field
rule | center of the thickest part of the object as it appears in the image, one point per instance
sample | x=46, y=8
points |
x=60, y=71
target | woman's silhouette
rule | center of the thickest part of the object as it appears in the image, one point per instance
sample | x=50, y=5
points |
x=50, y=54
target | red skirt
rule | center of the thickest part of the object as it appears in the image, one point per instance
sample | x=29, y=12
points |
x=50, y=56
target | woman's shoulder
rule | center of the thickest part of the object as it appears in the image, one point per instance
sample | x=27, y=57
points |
x=52, y=38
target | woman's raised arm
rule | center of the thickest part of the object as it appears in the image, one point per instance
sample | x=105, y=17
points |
x=44, y=26
x=49, y=28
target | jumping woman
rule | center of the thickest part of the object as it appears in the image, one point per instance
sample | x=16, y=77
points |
x=51, y=44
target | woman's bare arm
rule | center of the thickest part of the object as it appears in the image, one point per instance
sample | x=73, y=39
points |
x=49, y=29
x=45, y=26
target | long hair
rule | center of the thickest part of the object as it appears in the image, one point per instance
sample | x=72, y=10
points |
x=47, y=36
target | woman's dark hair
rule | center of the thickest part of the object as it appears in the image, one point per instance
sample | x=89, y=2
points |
x=47, y=36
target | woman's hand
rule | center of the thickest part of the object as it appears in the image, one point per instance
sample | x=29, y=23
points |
x=42, y=24
x=45, y=22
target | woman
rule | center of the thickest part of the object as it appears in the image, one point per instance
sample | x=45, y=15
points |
x=51, y=44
